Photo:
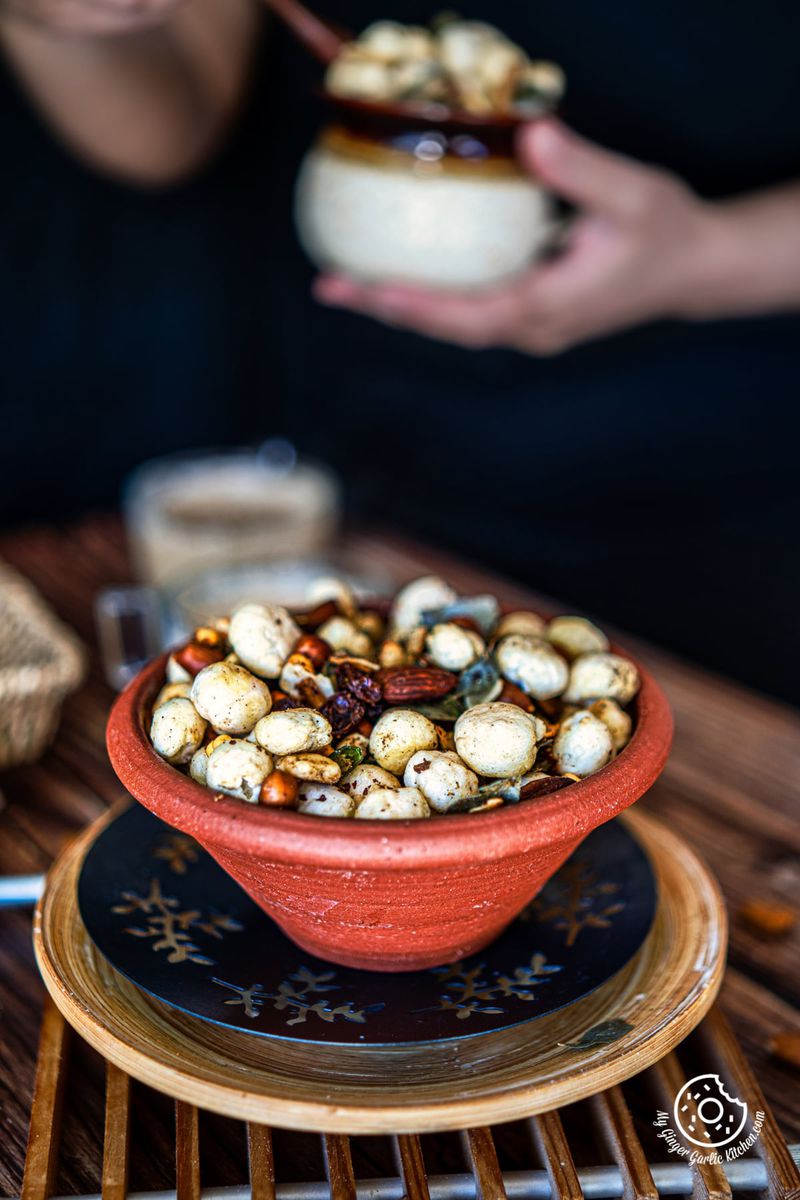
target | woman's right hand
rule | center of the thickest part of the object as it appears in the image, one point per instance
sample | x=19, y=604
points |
x=92, y=17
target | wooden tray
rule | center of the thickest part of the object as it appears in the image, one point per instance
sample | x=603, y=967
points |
x=626, y=1025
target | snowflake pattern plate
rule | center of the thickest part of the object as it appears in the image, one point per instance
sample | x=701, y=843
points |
x=168, y=918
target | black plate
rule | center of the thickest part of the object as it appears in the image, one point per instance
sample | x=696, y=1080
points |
x=167, y=917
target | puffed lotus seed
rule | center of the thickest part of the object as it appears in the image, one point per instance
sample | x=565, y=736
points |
x=547, y=78
x=398, y=734
x=198, y=766
x=177, y=730
x=299, y=681
x=343, y=635
x=230, y=697
x=602, y=676
x=496, y=740
x=358, y=741
x=390, y=804
x=419, y=44
x=175, y=672
x=411, y=764
x=169, y=692
x=238, y=768
x=573, y=636
x=527, y=623
x=533, y=665
x=453, y=648
x=499, y=65
x=293, y=730
x=385, y=40
x=365, y=778
x=469, y=64
x=355, y=74
x=262, y=637
x=330, y=587
x=462, y=44
x=442, y=778
x=371, y=623
x=317, y=768
x=583, y=745
x=422, y=595
x=322, y=800
x=616, y=720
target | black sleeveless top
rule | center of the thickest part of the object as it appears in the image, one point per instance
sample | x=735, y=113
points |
x=650, y=476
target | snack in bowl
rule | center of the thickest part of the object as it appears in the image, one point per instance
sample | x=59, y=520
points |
x=454, y=774
x=469, y=706
x=467, y=65
x=415, y=178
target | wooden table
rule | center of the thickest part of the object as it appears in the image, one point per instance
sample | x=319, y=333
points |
x=730, y=788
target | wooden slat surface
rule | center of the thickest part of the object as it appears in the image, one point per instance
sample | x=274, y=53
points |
x=554, y=1151
x=729, y=788
x=719, y=1046
x=339, y=1166
x=45, y=1124
x=613, y=1116
x=482, y=1157
x=710, y=1182
x=261, y=1162
x=411, y=1166
x=116, y=1135
x=187, y=1152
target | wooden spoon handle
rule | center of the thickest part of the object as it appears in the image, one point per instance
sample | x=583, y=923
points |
x=317, y=35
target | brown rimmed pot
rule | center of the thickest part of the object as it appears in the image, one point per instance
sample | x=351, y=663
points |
x=405, y=193
x=387, y=895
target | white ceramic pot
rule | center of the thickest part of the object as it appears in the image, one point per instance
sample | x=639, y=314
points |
x=421, y=209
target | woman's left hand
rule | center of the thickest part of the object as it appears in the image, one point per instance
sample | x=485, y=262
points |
x=636, y=251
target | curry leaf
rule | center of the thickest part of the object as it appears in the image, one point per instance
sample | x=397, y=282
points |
x=600, y=1035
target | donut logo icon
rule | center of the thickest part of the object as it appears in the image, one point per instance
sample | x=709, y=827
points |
x=706, y=1115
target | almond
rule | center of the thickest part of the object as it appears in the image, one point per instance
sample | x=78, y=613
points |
x=511, y=694
x=193, y=657
x=543, y=787
x=317, y=616
x=402, y=685
x=315, y=649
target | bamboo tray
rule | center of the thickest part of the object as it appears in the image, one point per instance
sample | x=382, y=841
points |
x=653, y=1004
x=546, y=1149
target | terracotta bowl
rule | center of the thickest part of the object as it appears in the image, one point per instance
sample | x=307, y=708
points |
x=387, y=895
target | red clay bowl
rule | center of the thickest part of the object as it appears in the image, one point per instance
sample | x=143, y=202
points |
x=387, y=895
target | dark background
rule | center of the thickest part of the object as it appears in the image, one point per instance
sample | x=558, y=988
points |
x=650, y=477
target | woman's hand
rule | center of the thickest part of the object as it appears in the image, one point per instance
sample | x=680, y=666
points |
x=92, y=17
x=636, y=251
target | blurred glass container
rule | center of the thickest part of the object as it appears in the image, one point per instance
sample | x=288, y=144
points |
x=191, y=512
x=217, y=593
x=130, y=631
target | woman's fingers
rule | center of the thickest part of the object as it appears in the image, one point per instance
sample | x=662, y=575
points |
x=590, y=176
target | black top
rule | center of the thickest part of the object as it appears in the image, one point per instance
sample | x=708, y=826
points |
x=649, y=476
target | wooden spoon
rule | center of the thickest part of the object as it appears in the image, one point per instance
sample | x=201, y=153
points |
x=323, y=39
